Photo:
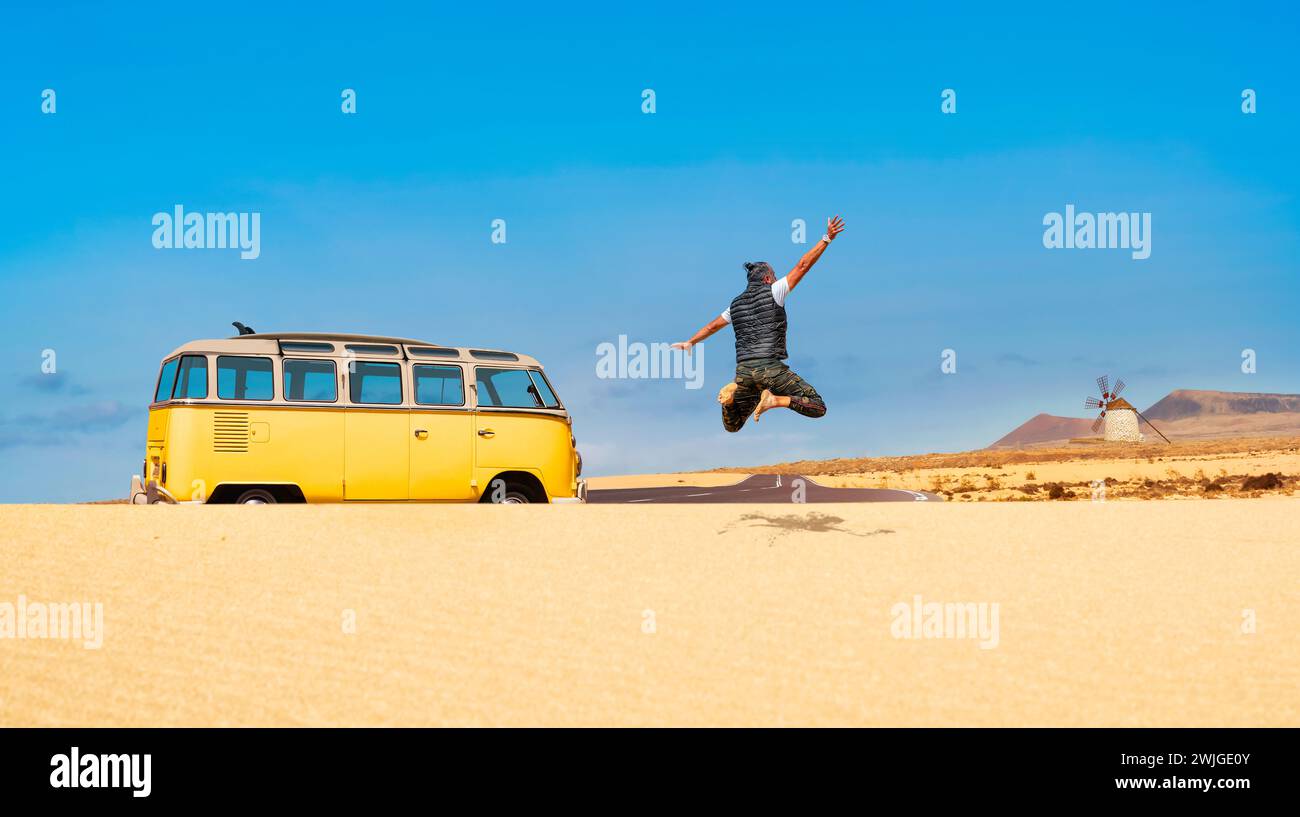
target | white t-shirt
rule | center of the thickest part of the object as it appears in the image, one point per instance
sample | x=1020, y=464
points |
x=779, y=292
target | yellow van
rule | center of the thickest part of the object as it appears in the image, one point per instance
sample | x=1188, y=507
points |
x=317, y=417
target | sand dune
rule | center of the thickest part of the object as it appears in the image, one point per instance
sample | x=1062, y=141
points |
x=1110, y=614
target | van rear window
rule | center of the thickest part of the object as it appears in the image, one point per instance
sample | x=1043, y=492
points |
x=166, y=379
x=244, y=378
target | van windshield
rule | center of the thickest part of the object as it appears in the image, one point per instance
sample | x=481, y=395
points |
x=544, y=390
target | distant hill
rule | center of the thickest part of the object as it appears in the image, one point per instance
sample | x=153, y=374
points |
x=1181, y=404
x=1182, y=414
x=1046, y=428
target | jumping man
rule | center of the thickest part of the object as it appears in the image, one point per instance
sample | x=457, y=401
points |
x=763, y=381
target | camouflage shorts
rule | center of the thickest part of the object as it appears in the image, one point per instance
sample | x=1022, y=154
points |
x=753, y=376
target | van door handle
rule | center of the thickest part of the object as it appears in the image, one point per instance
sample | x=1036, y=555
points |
x=486, y=432
x=421, y=434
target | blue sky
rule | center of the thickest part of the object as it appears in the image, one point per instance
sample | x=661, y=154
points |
x=620, y=222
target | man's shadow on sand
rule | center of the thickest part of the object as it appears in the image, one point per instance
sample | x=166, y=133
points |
x=814, y=522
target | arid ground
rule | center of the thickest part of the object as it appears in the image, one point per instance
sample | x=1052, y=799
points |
x=1206, y=469
x=1109, y=613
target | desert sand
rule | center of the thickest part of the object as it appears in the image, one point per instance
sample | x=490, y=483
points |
x=1110, y=614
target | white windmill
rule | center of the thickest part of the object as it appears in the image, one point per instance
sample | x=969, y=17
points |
x=1118, y=414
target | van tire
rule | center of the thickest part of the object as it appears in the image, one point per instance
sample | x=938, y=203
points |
x=521, y=488
x=256, y=496
x=514, y=494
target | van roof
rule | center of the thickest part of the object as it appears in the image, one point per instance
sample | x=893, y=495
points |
x=332, y=336
x=268, y=343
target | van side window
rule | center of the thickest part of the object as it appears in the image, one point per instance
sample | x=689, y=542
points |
x=544, y=390
x=507, y=388
x=375, y=383
x=311, y=380
x=192, y=378
x=166, y=378
x=244, y=378
x=438, y=385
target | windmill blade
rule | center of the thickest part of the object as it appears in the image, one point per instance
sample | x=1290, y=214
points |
x=1102, y=383
x=1096, y=424
x=1119, y=387
x=1092, y=402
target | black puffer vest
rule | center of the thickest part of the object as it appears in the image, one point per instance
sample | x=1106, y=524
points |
x=759, y=323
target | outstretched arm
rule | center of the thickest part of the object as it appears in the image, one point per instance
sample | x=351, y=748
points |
x=705, y=331
x=834, y=226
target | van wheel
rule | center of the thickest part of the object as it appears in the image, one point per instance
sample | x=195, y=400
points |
x=506, y=492
x=255, y=496
x=514, y=488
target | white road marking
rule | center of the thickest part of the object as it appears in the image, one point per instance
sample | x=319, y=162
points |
x=641, y=500
x=707, y=493
x=918, y=497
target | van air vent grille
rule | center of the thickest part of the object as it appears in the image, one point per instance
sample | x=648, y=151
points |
x=230, y=432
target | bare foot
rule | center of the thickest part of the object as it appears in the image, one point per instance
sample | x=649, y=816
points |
x=727, y=394
x=765, y=401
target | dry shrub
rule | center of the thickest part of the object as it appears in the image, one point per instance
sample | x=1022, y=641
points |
x=1263, y=482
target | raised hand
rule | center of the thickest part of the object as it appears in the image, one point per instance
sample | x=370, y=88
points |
x=834, y=226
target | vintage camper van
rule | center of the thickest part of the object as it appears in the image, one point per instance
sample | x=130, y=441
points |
x=319, y=417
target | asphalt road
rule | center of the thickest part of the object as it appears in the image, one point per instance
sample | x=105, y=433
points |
x=759, y=488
